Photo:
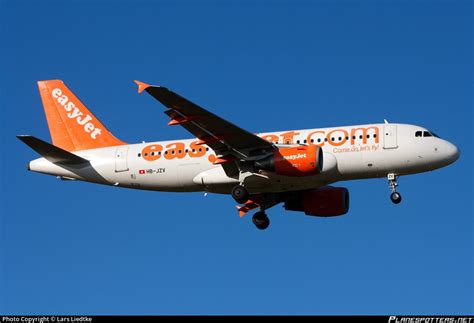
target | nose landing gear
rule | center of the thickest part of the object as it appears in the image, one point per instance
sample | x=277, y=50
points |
x=392, y=184
x=396, y=197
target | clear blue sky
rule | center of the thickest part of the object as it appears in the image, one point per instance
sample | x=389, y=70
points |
x=71, y=247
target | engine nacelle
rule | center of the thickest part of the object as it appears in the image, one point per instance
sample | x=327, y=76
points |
x=294, y=161
x=325, y=202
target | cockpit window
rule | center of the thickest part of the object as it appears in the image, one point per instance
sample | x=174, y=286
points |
x=433, y=134
x=425, y=134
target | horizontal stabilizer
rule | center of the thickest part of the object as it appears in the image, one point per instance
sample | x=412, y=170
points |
x=52, y=153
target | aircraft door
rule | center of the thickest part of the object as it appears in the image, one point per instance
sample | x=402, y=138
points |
x=390, y=136
x=121, y=164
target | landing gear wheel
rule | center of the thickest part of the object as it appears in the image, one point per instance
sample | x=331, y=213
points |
x=261, y=220
x=240, y=194
x=396, y=197
x=392, y=184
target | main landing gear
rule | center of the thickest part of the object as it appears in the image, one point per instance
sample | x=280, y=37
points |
x=392, y=184
x=240, y=194
x=261, y=220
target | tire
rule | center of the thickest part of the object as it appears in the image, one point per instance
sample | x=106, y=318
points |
x=396, y=197
x=240, y=194
x=261, y=220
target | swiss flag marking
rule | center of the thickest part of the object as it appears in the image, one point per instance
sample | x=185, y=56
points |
x=141, y=171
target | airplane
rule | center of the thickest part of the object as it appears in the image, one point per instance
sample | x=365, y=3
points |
x=296, y=168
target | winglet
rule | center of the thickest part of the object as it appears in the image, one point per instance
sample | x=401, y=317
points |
x=141, y=86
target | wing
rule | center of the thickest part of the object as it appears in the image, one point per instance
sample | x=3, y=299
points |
x=229, y=141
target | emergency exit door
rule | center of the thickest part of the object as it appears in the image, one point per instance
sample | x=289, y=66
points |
x=390, y=136
x=121, y=164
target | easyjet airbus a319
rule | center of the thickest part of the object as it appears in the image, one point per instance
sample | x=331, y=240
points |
x=294, y=167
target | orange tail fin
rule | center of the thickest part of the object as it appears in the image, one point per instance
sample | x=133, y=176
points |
x=72, y=126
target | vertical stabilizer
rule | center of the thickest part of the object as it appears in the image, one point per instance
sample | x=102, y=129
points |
x=72, y=126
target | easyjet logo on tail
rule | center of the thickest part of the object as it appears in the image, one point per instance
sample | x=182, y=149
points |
x=73, y=112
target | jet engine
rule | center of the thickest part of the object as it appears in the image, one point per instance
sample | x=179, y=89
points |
x=294, y=161
x=325, y=202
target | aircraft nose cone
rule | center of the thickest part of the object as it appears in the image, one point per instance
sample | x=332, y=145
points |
x=452, y=152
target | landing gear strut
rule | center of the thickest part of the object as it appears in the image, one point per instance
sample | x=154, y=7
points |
x=392, y=184
x=261, y=220
x=240, y=194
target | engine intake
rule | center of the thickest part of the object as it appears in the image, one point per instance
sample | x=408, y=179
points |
x=294, y=161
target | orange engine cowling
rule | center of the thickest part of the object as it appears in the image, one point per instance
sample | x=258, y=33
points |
x=326, y=202
x=294, y=161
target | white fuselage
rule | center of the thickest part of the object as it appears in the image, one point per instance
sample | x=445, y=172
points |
x=351, y=152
